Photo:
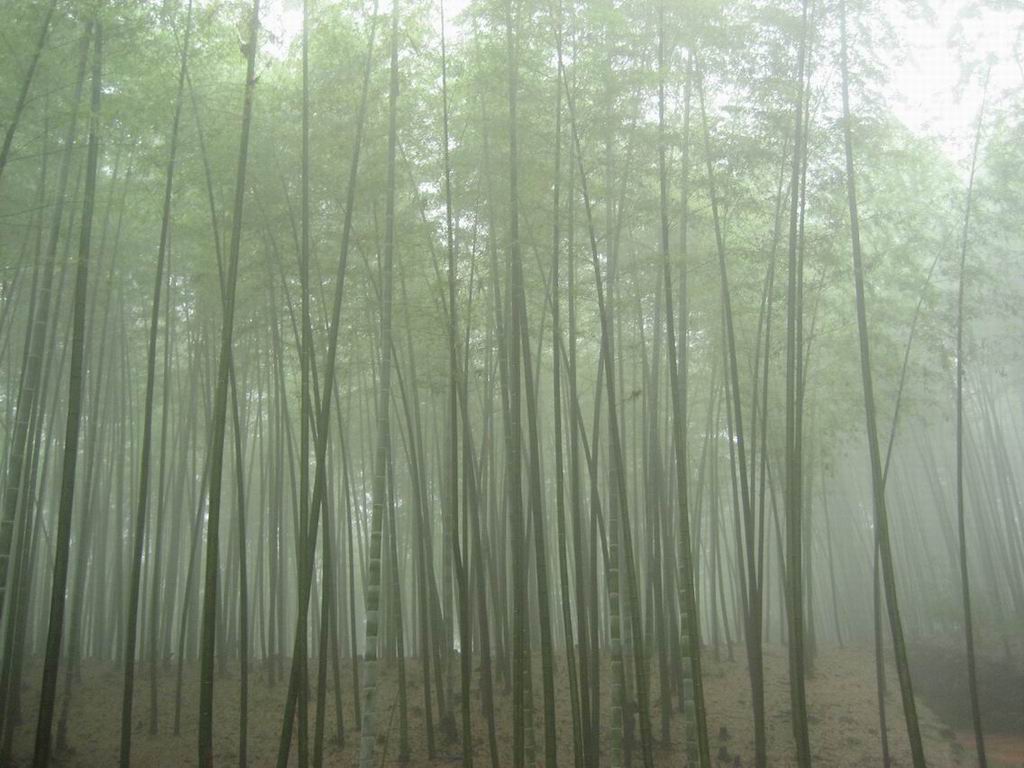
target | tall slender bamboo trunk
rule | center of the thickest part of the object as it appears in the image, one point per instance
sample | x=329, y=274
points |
x=219, y=416
x=522, y=709
x=965, y=589
x=76, y=389
x=465, y=625
x=301, y=655
x=794, y=441
x=368, y=735
x=579, y=751
x=878, y=486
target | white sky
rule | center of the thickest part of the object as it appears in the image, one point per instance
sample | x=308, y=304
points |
x=929, y=92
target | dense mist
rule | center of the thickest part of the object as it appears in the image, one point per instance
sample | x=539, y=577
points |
x=512, y=383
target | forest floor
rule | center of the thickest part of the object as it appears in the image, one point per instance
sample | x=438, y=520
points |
x=842, y=701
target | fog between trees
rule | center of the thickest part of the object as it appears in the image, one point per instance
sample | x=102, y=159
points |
x=526, y=383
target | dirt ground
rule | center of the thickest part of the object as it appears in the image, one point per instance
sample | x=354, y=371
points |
x=844, y=728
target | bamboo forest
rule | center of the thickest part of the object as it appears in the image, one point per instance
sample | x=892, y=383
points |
x=512, y=383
